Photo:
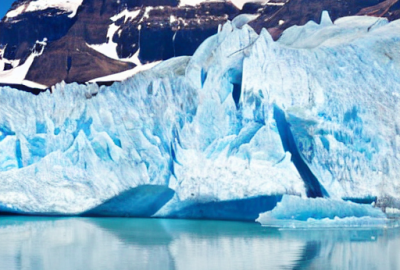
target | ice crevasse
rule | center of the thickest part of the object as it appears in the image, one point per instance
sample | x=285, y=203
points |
x=222, y=134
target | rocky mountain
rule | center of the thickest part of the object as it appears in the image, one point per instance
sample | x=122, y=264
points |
x=44, y=42
x=298, y=12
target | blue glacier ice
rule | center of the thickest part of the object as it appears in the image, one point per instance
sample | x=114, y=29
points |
x=293, y=211
x=242, y=122
x=292, y=207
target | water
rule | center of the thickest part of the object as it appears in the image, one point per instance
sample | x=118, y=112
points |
x=113, y=243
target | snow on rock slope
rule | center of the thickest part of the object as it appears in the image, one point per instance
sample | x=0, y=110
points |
x=70, y=6
x=238, y=3
x=222, y=134
x=16, y=74
x=125, y=33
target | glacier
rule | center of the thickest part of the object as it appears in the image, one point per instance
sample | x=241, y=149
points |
x=225, y=134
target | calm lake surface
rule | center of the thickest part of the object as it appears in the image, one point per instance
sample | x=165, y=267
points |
x=113, y=243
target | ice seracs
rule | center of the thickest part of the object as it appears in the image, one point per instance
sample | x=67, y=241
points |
x=241, y=123
x=243, y=19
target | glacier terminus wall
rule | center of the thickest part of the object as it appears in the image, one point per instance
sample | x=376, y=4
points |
x=245, y=125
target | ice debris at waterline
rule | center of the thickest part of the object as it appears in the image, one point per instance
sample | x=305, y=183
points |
x=223, y=134
x=298, y=212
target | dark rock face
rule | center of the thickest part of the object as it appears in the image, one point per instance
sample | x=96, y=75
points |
x=161, y=30
x=172, y=31
x=71, y=60
x=21, y=33
x=158, y=30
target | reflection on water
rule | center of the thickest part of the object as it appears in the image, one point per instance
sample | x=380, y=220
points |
x=85, y=243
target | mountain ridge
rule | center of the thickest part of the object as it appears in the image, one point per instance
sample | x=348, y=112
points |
x=88, y=39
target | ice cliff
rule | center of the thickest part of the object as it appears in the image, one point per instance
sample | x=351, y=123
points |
x=222, y=134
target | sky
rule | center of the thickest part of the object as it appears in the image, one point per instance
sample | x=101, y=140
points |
x=5, y=6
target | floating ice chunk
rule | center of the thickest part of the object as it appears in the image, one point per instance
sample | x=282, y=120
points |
x=348, y=222
x=392, y=212
x=293, y=208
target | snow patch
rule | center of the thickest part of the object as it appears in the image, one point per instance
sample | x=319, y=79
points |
x=274, y=4
x=129, y=15
x=147, y=12
x=193, y=2
x=32, y=84
x=66, y=5
x=109, y=48
x=4, y=61
x=17, y=74
x=16, y=12
x=238, y=3
x=118, y=77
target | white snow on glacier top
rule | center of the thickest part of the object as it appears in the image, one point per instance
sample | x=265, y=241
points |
x=67, y=5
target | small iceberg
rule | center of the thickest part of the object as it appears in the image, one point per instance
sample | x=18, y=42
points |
x=297, y=212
